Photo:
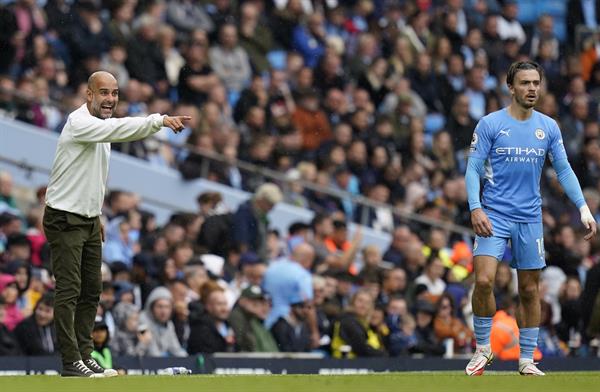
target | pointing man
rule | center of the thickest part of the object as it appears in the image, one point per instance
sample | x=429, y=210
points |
x=73, y=205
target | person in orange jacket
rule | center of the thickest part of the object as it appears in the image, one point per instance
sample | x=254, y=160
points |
x=504, y=336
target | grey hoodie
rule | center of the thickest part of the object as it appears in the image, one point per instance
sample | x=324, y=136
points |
x=125, y=342
x=164, y=339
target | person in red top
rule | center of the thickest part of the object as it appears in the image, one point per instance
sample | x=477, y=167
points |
x=311, y=121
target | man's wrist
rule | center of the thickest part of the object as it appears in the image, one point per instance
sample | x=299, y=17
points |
x=584, y=209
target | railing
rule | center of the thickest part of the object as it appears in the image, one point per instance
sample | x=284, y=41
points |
x=278, y=177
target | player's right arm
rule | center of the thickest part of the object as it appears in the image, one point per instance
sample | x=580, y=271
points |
x=480, y=148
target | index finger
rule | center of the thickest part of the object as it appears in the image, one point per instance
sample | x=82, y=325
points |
x=184, y=118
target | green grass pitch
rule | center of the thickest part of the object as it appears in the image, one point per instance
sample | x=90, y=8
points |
x=413, y=381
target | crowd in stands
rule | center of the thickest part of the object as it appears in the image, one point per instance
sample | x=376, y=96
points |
x=372, y=97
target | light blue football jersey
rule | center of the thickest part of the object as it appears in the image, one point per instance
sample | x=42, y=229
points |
x=514, y=152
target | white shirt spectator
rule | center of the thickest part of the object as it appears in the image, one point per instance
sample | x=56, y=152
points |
x=511, y=29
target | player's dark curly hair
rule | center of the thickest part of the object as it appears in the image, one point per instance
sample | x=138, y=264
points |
x=522, y=66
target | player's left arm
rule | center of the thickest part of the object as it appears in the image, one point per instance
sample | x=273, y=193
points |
x=568, y=181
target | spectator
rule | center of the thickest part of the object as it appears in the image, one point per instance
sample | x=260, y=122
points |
x=548, y=342
x=89, y=35
x=339, y=245
x=113, y=61
x=246, y=320
x=544, y=32
x=292, y=332
x=119, y=245
x=394, y=283
x=475, y=91
x=101, y=338
x=10, y=293
x=432, y=276
x=352, y=336
x=578, y=14
x=8, y=343
x=401, y=237
x=211, y=332
x=508, y=25
x=250, y=222
x=157, y=316
x=311, y=121
x=145, y=61
x=27, y=298
x=504, y=336
x=36, y=334
x=447, y=325
x=120, y=25
x=427, y=343
x=324, y=321
x=322, y=228
x=131, y=337
x=372, y=263
x=230, y=61
x=255, y=37
x=188, y=15
x=18, y=248
x=403, y=338
x=289, y=281
x=460, y=123
x=167, y=39
x=309, y=39
x=196, y=78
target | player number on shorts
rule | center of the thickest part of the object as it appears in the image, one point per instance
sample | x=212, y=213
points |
x=540, y=244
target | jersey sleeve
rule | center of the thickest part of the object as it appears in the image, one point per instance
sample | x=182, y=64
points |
x=556, y=150
x=481, y=143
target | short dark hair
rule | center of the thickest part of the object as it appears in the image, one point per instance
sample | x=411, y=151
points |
x=46, y=299
x=522, y=66
x=318, y=219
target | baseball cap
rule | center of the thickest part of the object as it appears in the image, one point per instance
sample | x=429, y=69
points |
x=254, y=292
x=100, y=323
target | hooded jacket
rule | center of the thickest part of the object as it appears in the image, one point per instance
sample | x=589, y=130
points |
x=164, y=339
x=125, y=342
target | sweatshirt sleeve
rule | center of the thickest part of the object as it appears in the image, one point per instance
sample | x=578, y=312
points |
x=95, y=130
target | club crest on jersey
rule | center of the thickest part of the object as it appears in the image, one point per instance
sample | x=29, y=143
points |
x=475, y=139
x=540, y=134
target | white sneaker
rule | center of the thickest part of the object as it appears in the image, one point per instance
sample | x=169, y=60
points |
x=529, y=368
x=483, y=357
x=99, y=370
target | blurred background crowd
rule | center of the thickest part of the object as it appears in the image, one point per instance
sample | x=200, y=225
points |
x=370, y=97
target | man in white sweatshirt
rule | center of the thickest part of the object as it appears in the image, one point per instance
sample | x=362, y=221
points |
x=73, y=205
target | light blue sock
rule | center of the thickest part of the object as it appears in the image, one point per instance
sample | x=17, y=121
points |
x=483, y=326
x=528, y=338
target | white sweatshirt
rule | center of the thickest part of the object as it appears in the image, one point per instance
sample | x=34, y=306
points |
x=78, y=178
